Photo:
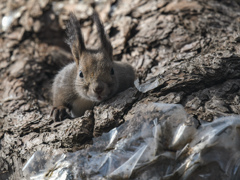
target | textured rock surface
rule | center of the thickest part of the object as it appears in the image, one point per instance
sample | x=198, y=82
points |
x=184, y=52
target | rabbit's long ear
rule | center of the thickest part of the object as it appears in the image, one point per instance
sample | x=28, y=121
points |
x=105, y=43
x=74, y=38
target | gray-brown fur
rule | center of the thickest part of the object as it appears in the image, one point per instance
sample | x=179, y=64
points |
x=94, y=77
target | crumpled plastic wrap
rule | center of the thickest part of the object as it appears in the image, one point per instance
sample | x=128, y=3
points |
x=171, y=146
x=149, y=84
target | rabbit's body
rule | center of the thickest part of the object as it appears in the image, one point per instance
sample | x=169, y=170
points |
x=93, y=77
x=65, y=92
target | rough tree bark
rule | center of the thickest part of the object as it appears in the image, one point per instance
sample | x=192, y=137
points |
x=184, y=52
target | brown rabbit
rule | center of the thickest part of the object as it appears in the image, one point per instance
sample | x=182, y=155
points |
x=93, y=77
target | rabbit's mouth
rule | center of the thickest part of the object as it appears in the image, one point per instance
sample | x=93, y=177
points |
x=99, y=98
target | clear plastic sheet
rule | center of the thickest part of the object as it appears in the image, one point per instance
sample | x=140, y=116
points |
x=149, y=84
x=169, y=146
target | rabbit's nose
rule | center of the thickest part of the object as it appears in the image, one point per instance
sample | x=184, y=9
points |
x=98, y=89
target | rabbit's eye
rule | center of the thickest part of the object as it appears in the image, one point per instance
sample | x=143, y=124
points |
x=80, y=74
x=112, y=71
